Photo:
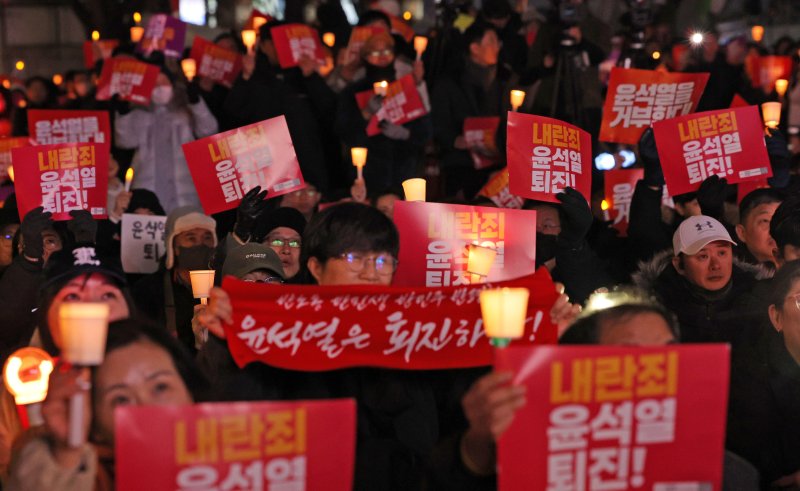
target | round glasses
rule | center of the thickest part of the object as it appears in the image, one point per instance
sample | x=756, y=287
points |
x=293, y=243
x=384, y=264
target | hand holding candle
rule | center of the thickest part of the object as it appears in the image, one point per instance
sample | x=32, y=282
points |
x=517, y=98
x=128, y=179
x=329, y=39
x=359, y=156
x=189, y=67
x=780, y=87
x=420, y=44
x=27, y=376
x=380, y=88
x=504, y=311
x=249, y=39
x=202, y=283
x=771, y=112
x=136, y=34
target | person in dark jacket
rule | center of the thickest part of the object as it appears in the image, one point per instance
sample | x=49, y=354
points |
x=755, y=213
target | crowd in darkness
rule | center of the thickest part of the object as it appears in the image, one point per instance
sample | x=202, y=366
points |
x=708, y=270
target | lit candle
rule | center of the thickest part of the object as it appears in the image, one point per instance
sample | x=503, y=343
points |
x=258, y=22
x=359, y=156
x=771, y=112
x=504, y=311
x=95, y=35
x=517, y=97
x=58, y=79
x=27, y=376
x=202, y=282
x=757, y=33
x=414, y=189
x=780, y=86
x=11, y=173
x=329, y=39
x=128, y=179
x=189, y=67
x=137, y=17
x=380, y=87
x=19, y=65
x=420, y=44
x=479, y=261
x=136, y=33
x=249, y=39
x=605, y=206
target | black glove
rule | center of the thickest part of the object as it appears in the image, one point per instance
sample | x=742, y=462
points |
x=394, y=131
x=193, y=92
x=653, y=175
x=711, y=196
x=119, y=106
x=576, y=218
x=374, y=104
x=35, y=222
x=82, y=226
x=251, y=207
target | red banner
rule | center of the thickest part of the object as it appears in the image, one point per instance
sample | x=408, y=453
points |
x=546, y=155
x=401, y=104
x=765, y=70
x=227, y=165
x=237, y=445
x=359, y=36
x=480, y=135
x=93, y=51
x=163, y=33
x=316, y=328
x=6, y=145
x=131, y=79
x=497, y=191
x=637, y=98
x=215, y=63
x=62, y=178
x=434, y=236
x=48, y=127
x=401, y=27
x=728, y=143
x=616, y=418
x=294, y=41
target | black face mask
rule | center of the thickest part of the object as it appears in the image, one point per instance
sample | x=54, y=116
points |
x=545, y=248
x=377, y=73
x=194, y=258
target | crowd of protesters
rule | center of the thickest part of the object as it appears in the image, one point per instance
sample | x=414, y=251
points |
x=706, y=271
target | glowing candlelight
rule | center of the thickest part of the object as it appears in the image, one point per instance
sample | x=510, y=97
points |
x=136, y=33
x=380, y=87
x=517, y=97
x=189, y=67
x=11, y=173
x=420, y=44
x=137, y=17
x=479, y=261
x=359, y=156
x=58, y=79
x=83, y=332
x=249, y=39
x=771, y=112
x=780, y=86
x=128, y=179
x=27, y=377
x=329, y=39
x=414, y=189
x=202, y=283
x=757, y=33
x=504, y=311
x=95, y=35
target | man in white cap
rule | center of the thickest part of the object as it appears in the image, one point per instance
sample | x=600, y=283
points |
x=702, y=283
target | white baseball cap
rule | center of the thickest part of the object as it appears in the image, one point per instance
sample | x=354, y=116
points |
x=696, y=232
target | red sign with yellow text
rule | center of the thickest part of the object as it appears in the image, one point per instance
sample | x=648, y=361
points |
x=93, y=51
x=131, y=79
x=728, y=143
x=546, y=155
x=434, y=236
x=401, y=104
x=616, y=418
x=48, y=127
x=480, y=135
x=637, y=98
x=317, y=328
x=359, y=36
x=62, y=178
x=497, y=191
x=215, y=63
x=295, y=41
x=308, y=445
x=765, y=70
x=227, y=165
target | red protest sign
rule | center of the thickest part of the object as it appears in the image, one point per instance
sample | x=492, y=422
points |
x=497, y=191
x=728, y=143
x=163, y=33
x=619, y=187
x=93, y=51
x=765, y=70
x=480, y=135
x=738, y=101
x=434, y=236
x=294, y=41
x=546, y=155
x=747, y=187
x=131, y=79
x=254, y=14
x=237, y=445
x=399, y=26
x=401, y=104
x=62, y=178
x=215, y=63
x=637, y=98
x=48, y=127
x=359, y=36
x=616, y=418
x=227, y=165
x=315, y=328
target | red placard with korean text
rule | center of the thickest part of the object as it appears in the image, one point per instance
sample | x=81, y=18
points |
x=619, y=187
x=93, y=51
x=616, y=418
x=6, y=145
x=480, y=135
x=497, y=191
x=47, y=127
x=315, y=328
x=62, y=178
x=765, y=70
x=294, y=41
x=401, y=104
x=215, y=63
x=637, y=98
x=308, y=445
x=131, y=79
x=359, y=36
x=163, y=33
x=255, y=13
x=728, y=143
x=434, y=236
x=546, y=155
x=227, y=165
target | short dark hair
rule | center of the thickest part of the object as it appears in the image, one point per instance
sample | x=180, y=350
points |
x=587, y=330
x=757, y=198
x=371, y=16
x=475, y=33
x=349, y=227
x=782, y=282
x=785, y=224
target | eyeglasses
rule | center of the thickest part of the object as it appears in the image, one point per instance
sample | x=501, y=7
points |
x=309, y=193
x=382, y=52
x=271, y=279
x=385, y=264
x=293, y=243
